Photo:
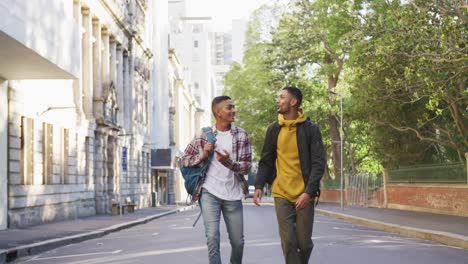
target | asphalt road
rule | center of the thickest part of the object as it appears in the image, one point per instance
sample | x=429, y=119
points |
x=172, y=240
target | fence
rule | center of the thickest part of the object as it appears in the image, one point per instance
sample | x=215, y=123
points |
x=452, y=173
x=331, y=184
x=362, y=190
x=365, y=190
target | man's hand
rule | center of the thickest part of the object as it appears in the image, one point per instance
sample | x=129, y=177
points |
x=208, y=147
x=221, y=155
x=206, y=150
x=303, y=201
x=257, y=197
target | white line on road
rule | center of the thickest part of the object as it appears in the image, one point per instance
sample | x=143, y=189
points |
x=360, y=230
x=79, y=255
x=182, y=227
x=133, y=256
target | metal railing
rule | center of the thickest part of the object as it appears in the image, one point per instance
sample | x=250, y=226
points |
x=365, y=190
x=450, y=173
x=331, y=183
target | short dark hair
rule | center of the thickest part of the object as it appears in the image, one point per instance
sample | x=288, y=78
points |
x=217, y=100
x=295, y=92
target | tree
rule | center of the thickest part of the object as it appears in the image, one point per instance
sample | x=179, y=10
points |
x=410, y=72
x=254, y=85
x=314, y=40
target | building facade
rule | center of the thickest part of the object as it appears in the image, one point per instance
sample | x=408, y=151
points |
x=189, y=37
x=221, y=58
x=75, y=93
x=186, y=116
x=239, y=29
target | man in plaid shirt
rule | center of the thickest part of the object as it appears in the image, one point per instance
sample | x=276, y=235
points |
x=223, y=186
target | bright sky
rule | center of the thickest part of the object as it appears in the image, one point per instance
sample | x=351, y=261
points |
x=224, y=11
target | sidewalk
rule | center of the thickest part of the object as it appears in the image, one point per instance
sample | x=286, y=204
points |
x=443, y=229
x=15, y=243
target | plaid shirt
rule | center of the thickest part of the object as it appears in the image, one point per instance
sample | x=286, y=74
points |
x=241, y=149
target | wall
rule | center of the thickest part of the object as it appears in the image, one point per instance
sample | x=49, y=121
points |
x=3, y=153
x=38, y=203
x=159, y=82
x=442, y=199
x=52, y=34
x=437, y=198
x=330, y=195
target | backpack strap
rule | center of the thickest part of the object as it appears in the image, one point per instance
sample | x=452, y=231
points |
x=199, y=215
x=209, y=134
x=211, y=139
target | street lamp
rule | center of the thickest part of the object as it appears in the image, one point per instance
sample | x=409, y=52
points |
x=341, y=149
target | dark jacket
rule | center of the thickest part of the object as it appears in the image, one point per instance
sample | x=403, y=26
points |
x=311, y=156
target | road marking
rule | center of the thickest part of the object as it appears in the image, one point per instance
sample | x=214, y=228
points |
x=133, y=256
x=182, y=227
x=79, y=255
x=361, y=230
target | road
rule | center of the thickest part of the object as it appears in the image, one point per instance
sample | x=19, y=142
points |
x=172, y=240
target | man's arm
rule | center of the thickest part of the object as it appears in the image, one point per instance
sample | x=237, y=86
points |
x=243, y=165
x=265, y=165
x=317, y=162
x=195, y=153
x=267, y=160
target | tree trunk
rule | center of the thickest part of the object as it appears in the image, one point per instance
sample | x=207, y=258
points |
x=334, y=124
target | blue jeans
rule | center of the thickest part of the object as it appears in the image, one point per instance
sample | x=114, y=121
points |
x=212, y=207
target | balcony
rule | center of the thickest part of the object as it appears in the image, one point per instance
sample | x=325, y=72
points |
x=138, y=18
x=120, y=8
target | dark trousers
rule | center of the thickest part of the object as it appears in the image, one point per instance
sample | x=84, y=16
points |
x=295, y=229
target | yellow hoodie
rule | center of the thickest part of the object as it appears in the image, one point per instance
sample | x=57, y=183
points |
x=289, y=183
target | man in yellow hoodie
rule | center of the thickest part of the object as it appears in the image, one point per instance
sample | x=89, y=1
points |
x=293, y=161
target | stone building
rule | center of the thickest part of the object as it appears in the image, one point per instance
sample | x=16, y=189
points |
x=185, y=120
x=189, y=37
x=75, y=108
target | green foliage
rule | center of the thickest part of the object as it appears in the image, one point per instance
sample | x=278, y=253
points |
x=409, y=72
x=254, y=85
x=400, y=67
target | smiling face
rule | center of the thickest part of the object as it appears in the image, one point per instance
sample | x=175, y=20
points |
x=225, y=111
x=285, y=102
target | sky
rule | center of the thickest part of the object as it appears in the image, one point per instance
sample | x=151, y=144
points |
x=224, y=11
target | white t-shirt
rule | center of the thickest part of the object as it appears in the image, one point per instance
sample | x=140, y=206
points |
x=221, y=181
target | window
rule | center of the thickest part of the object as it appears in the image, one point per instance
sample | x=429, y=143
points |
x=148, y=167
x=64, y=156
x=137, y=168
x=195, y=44
x=27, y=150
x=197, y=28
x=146, y=108
x=47, y=152
x=143, y=167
